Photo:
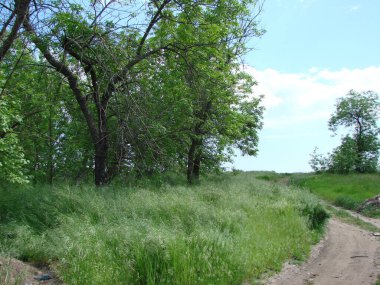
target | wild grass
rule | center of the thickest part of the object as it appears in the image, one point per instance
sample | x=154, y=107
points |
x=347, y=191
x=227, y=231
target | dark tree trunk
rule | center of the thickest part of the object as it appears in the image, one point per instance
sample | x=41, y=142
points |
x=101, y=148
x=193, y=161
x=197, y=166
x=51, y=148
x=101, y=164
x=190, y=162
x=360, y=149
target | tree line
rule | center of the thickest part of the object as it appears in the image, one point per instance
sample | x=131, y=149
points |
x=109, y=87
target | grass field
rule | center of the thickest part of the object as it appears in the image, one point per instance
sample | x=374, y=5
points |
x=225, y=231
x=347, y=191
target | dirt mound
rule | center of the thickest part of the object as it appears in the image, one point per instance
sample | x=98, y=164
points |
x=13, y=271
x=373, y=203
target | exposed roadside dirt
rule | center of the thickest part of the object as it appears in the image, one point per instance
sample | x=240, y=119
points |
x=14, y=271
x=348, y=255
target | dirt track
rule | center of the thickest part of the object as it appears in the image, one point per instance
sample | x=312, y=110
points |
x=348, y=255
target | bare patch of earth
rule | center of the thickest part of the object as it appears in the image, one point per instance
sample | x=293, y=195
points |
x=347, y=255
x=16, y=272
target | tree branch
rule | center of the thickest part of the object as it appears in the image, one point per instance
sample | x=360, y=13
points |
x=20, y=10
x=72, y=79
x=153, y=21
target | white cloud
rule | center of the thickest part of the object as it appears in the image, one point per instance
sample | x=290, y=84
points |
x=296, y=98
x=354, y=8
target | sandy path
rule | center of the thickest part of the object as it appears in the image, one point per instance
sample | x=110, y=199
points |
x=348, y=255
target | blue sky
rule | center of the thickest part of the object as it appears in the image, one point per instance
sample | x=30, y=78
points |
x=314, y=51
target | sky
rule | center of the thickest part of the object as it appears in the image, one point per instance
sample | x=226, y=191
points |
x=313, y=52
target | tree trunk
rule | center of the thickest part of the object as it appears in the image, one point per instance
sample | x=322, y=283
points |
x=190, y=162
x=101, y=148
x=51, y=148
x=101, y=164
x=193, y=161
x=196, y=167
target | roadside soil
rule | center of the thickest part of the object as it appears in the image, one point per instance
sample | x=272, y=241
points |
x=347, y=255
x=16, y=272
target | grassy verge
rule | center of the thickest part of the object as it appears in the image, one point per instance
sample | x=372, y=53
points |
x=225, y=231
x=346, y=217
x=346, y=191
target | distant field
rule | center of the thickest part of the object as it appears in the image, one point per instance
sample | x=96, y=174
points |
x=347, y=191
x=225, y=231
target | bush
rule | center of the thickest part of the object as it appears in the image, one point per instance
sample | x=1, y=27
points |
x=316, y=215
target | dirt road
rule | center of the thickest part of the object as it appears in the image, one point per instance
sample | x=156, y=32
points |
x=348, y=255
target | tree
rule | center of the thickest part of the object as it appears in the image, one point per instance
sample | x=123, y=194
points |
x=359, y=150
x=318, y=162
x=359, y=111
x=100, y=47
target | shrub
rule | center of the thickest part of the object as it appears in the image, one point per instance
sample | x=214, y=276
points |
x=316, y=215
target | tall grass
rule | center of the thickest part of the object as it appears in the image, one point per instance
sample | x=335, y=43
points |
x=225, y=231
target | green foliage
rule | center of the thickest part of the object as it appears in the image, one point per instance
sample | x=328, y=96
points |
x=43, y=132
x=356, y=110
x=343, y=158
x=12, y=158
x=227, y=231
x=318, y=162
x=12, y=164
x=317, y=216
x=131, y=97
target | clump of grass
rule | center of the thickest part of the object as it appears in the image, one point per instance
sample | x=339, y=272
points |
x=221, y=232
x=346, y=202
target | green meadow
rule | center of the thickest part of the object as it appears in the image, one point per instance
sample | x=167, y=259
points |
x=347, y=191
x=227, y=230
